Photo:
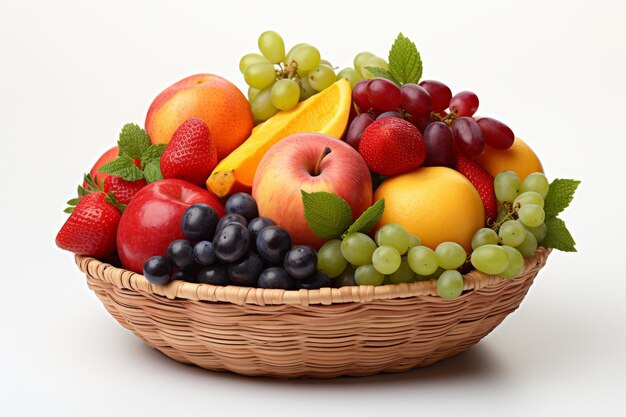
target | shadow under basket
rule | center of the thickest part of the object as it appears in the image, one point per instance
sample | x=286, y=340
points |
x=308, y=333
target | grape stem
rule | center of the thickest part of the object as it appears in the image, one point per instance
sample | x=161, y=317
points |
x=449, y=118
x=324, y=153
x=511, y=213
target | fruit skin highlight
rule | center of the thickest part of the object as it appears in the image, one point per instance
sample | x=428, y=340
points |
x=288, y=167
x=326, y=112
x=438, y=204
x=519, y=158
x=209, y=97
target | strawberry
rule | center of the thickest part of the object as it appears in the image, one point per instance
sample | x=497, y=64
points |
x=92, y=226
x=482, y=181
x=392, y=146
x=124, y=190
x=190, y=155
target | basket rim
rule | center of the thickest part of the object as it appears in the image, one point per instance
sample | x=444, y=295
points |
x=128, y=280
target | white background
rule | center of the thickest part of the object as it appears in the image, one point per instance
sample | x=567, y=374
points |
x=72, y=73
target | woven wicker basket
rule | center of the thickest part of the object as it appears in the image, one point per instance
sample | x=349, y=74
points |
x=314, y=333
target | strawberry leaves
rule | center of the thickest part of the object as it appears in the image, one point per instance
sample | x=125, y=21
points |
x=92, y=187
x=138, y=157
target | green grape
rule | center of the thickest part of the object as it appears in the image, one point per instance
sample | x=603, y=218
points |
x=262, y=107
x=506, y=185
x=376, y=62
x=450, y=284
x=307, y=57
x=540, y=231
x=403, y=274
x=450, y=255
x=252, y=93
x=434, y=275
x=321, y=77
x=393, y=235
x=306, y=90
x=414, y=241
x=350, y=75
x=260, y=75
x=531, y=215
x=511, y=233
x=529, y=245
x=358, y=248
x=249, y=59
x=346, y=278
x=528, y=197
x=330, y=260
x=423, y=260
x=289, y=55
x=285, y=94
x=326, y=62
x=516, y=263
x=368, y=275
x=485, y=236
x=490, y=259
x=359, y=62
x=536, y=182
x=386, y=259
x=272, y=46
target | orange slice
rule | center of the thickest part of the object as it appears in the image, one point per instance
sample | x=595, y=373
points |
x=326, y=112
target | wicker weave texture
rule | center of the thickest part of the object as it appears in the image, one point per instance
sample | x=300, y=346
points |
x=315, y=333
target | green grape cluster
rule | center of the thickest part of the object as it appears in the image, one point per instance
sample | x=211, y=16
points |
x=519, y=228
x=394, y=256
x=278, y=80
x=359, y=72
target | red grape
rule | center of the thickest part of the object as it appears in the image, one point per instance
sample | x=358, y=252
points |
x=356, y=129
x=465, y=102
x=439, y=92
x=393, y=113
x=439, y=147
x=420, y=122
x=496, y=133
x=467, y=136
x=359, y=96
x=383, y=94
x=416, y=100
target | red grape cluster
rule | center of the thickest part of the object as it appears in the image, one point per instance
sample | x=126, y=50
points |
x=445, y=121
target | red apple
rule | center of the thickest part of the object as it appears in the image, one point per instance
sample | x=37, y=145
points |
x=153, y=219
x=299, y=162
x=108, y=156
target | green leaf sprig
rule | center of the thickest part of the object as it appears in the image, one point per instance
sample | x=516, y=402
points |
x=329, y=216
x=134, y=145
x=405, y=63
x=560, y=195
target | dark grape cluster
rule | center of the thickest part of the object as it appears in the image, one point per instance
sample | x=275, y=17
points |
x=446, y=121
x=241, y=249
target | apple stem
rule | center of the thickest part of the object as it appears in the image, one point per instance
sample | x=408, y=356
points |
x=325, y=152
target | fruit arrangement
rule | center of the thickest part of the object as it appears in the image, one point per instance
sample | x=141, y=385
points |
x=367, y=176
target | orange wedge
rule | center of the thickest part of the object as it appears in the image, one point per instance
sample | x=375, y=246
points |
x=326, y=112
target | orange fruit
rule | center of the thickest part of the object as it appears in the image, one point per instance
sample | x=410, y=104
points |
x=209, y=97
x=518, y=158
x=437, y=204
x=326, y=112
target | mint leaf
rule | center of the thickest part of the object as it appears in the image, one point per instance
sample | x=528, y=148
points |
x=382, y=73
x=558, y=236
x=152, y=171
x=133, y=141
x=368, y=219
x=152, y=153
x=124, y=167
x=560, y=195
x=405, y=64
x=327, y=214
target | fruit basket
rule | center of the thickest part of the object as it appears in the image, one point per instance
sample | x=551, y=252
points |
x=308, y=333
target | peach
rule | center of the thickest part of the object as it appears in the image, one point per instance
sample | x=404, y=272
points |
x=206, y=96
